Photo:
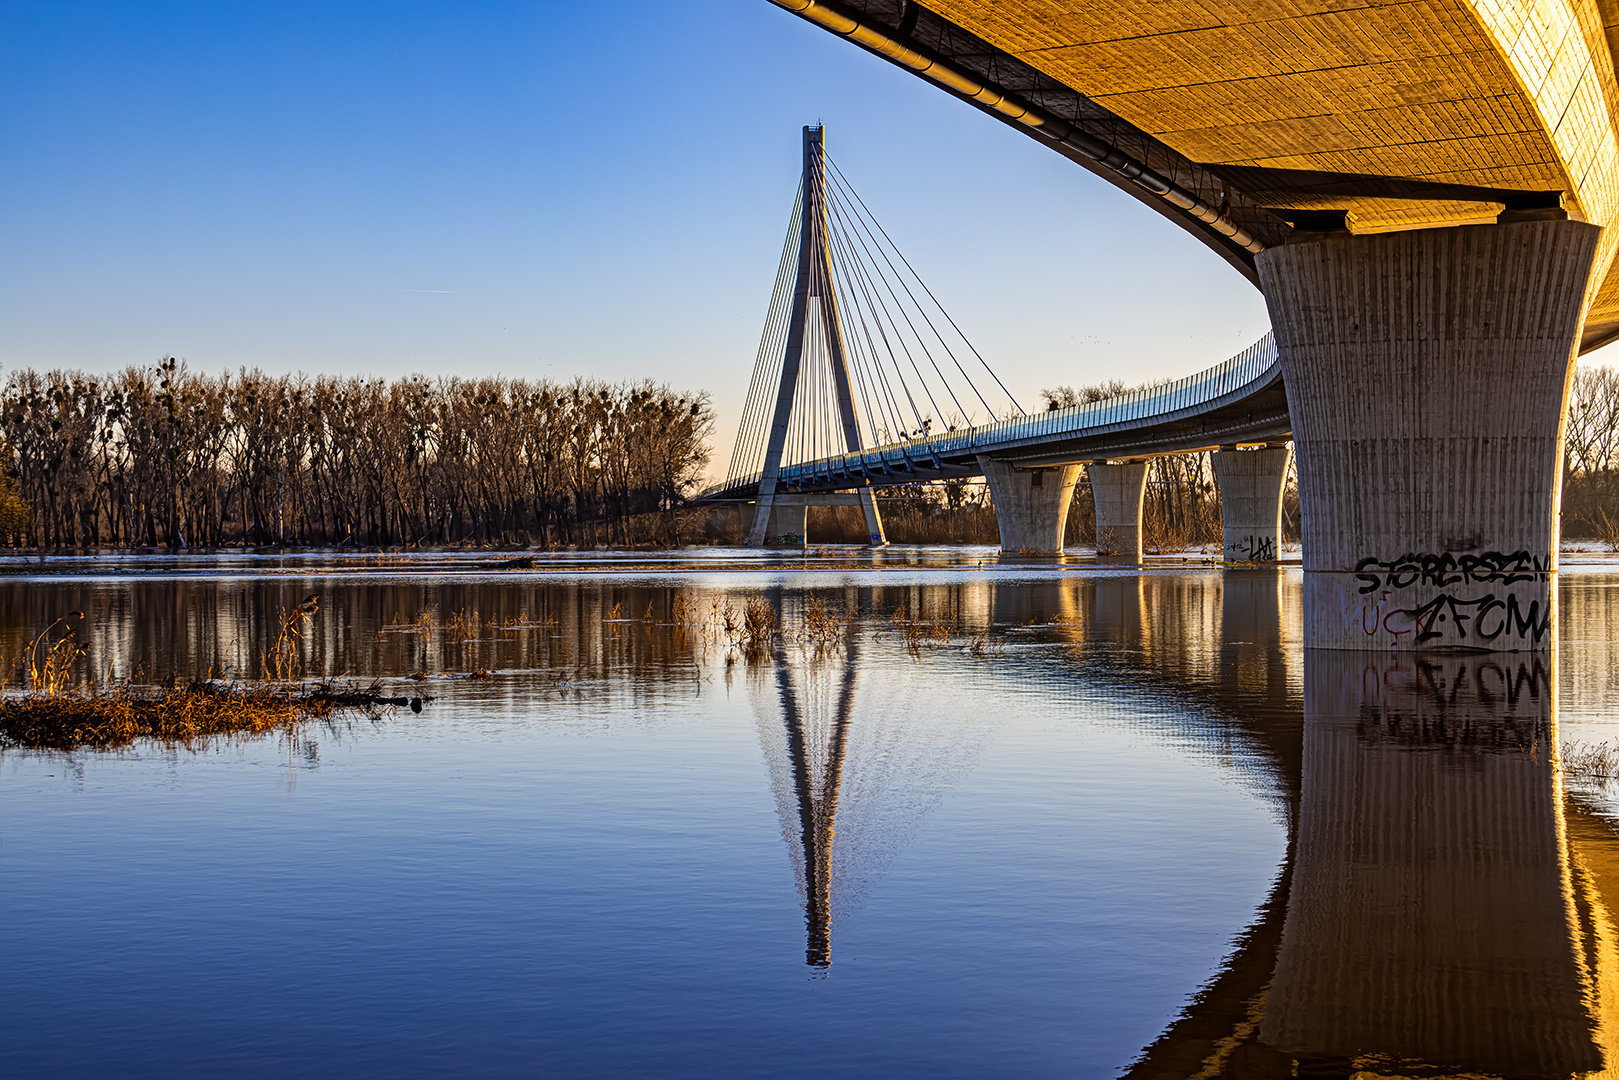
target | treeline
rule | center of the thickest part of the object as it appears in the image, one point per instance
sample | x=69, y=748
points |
x=1591, y=457
x=164, y=457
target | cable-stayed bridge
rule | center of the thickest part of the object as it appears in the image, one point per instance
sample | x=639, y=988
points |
x=863, y=380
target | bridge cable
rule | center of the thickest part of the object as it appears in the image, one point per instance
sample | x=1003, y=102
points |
x=903, y=343
x=844, y=184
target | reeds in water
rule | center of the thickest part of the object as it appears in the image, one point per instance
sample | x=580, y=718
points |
x=102, y=720
x=1590, y=761
x=51, y=714
x=919, y=632
x=825, y=624
x=755, y=627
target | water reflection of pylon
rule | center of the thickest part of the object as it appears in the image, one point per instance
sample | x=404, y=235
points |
x=853, y=777
x=817, y=746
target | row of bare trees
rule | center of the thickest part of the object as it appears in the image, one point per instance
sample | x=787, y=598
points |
x=163, y=456
x=1591, y=456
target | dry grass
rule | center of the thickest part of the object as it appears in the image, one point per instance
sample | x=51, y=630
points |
x=464, y=626
x=52, y=653
x=281, y=663
x=757, y=626
x=1606, y=530
x=824, y=624
x=51, y=715
x=919, y=632
x=102, y=720
x=1590, y=761
x=986, y=644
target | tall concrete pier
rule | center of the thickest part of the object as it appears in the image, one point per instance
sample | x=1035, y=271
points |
x=1251, y=484
x=1031, y=505
x=1118, y=491
x=1426, y=373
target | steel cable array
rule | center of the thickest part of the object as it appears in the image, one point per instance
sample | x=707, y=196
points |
x=912, y=372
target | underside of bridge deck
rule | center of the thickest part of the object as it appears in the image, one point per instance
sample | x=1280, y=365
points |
x=1234, y=117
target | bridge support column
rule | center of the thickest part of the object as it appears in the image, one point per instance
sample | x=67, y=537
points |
x=1031, y=505
x=1426, y=377
x=787, y=521
x=1117, y=491
x=1251, y=502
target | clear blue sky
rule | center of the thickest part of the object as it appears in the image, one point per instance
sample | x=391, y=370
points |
x=534, y=189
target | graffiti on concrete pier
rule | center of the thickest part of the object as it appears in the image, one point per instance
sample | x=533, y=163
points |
x=1252, y=549
x=1446, y=569
x=1492, y=618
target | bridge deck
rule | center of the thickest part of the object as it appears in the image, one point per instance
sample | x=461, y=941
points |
x=1240, y=400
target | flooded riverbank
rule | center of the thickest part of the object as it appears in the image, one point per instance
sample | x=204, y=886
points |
x=1022, y=817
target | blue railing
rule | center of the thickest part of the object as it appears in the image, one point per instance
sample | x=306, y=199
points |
x=1256, y=364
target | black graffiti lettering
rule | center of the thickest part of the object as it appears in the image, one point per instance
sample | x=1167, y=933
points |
x=1486, y=634
x=1447, y=614
x=1532, y=622
x=1373, y=581
x=1256, y=549
x=1444, y=569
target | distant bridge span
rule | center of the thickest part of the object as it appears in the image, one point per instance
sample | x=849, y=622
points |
x=1238, y=401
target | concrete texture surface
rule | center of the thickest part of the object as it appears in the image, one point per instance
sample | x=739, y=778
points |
x=1118, y=491
x=1031, y=505
x=1251, y=484
x=1426, y=378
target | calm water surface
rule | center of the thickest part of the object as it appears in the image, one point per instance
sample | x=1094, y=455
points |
x=1080, y=820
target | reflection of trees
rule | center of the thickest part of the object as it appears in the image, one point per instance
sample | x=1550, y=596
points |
x=196, y=625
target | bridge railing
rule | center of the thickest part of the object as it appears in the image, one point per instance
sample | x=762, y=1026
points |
x=1247, y=367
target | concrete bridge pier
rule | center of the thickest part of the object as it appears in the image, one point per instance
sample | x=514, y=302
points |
x=1031, y=505
x=1251, y=484
x=787, y=520
x=1117, y=491
x=1426, y=375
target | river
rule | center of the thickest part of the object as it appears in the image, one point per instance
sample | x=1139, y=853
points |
x=962, y=817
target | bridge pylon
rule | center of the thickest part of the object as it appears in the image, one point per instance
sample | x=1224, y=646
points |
x=813, y=286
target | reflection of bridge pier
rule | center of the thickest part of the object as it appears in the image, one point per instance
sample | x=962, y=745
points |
x=817, y=772
x=1434, y=917
x=1429, y=918
x=854, y=766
